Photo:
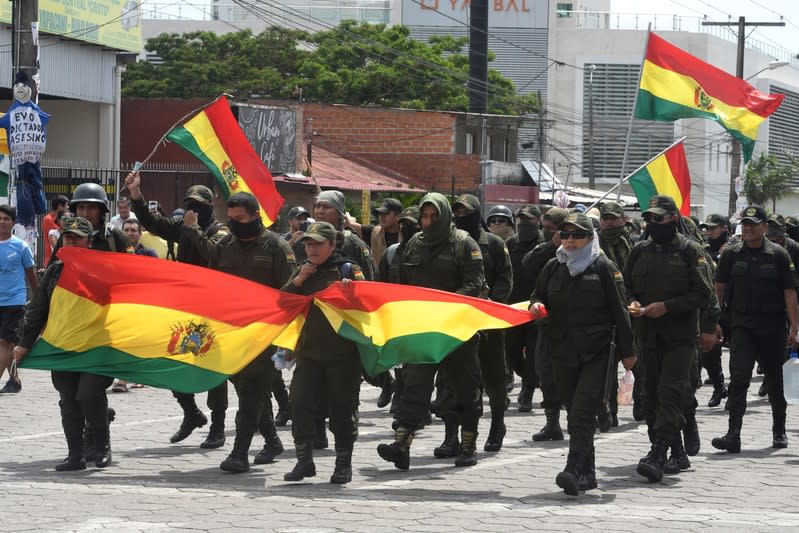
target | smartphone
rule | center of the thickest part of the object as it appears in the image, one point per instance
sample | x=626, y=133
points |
x=304, y=225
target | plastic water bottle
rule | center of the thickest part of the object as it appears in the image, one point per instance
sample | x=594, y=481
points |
x=626, y=383
x=790, y=378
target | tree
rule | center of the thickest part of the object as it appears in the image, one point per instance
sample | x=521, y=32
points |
x=766, y=180
x=354, y=63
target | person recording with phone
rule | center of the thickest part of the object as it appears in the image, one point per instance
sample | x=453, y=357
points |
x=299, y=220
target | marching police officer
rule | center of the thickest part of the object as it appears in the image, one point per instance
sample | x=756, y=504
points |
x=757, y=280
x=252, y=252
x=667, y=284
x=500, y=221
x=499, y=283
x=83, y=400
x=196, y=233
x=528, y=235
x=444, y=258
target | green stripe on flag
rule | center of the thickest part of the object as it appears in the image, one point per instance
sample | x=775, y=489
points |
x=181, y=136
x=643, y=186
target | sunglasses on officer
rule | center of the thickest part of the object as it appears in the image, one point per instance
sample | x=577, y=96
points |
x=652, y=217
x=497, y=220
x=576, y=234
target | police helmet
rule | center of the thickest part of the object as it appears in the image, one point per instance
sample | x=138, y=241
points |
x=92, y=193
x=501, y=211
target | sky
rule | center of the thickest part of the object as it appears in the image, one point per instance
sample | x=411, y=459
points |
x=717, y=11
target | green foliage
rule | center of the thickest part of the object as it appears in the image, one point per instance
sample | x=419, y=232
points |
x=354, y=63
x=766, y=180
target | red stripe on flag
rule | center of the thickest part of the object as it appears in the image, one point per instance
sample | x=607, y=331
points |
x=110, y=278
x=249, y=166
x=675, y=156
x=716, y=82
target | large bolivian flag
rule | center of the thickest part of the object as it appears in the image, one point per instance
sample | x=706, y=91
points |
x=675, y=84
x=665, y=174
x=393, y=324
x=214, y=137
x=160, y=323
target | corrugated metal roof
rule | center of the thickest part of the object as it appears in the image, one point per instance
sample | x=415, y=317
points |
x=333, y=171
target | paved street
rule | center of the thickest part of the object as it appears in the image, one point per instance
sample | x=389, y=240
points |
x=155, y=486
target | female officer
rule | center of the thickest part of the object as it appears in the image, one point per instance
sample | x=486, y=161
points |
x=325, y=361
x=583, y=293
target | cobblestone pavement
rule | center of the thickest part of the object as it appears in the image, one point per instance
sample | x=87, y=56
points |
x=155, y=486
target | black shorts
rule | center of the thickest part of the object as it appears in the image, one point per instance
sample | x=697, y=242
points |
x=11, y=322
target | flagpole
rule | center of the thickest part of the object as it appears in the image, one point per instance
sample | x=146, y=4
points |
x=632, y=115
x=631, y=174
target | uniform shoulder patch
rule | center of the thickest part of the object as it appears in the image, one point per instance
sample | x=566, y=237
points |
x=357, y=273
x=290, y=256
x=700, y=260
x=790, y=265
x=476, y=255
x=617, y=275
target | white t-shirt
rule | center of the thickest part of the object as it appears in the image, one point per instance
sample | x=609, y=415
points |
x=117, y=222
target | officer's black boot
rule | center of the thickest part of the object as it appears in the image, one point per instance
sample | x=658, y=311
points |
x=732, y=440
x=551, y=430
x=451, y=446
x=398, y=452
x=651, y=466
x=604, y=420
x=320, y=438
x=525, y=398
x=102, y=440
x=719, y=390
x=678, y=461
x=569, y=479
x=342, y=473
x=691, y=434
x=468, y=455
x=238, y=461
x=778, y=431
x=763, y=390
x=283, y=407
x=397, y=392
x=638, y=409
x=496, y=434
x=216, y=433
x=387, y=388
x=588, y=472
x=74, y=460
x=305, y=466
x=272, y=444
x=89, y=449
x=193, y=418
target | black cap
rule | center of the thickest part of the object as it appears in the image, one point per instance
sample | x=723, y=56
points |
x=389, y=205
x=754, y=214
x=776, y=219
x=200, y=193
x=580, y=220
x=661, y=205
x=296, y=211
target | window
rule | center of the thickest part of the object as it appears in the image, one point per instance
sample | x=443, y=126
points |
x=564, y=10
x=469, y=143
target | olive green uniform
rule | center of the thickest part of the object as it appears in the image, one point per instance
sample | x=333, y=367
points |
x=674, y=273
x=499, y=278
x=582, y=311
x=267, y=260
x=194, y=247
x=327, y=364
x=352, y=247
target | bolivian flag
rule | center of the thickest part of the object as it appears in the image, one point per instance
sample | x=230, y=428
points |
x=675, y=84
x=665, y=174
x=394, y=324
x=214, y=137
x=160, y=323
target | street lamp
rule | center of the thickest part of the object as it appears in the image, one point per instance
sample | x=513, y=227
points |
x=770, y=66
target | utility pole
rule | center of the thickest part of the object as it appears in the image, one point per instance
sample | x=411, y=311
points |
x=541, y=135
x=478, y=57
x=735, y=171
x=591, y=174
x=26, y=56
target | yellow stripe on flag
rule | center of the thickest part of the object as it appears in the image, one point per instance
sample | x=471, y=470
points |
x=461, y=321
x=664, y=181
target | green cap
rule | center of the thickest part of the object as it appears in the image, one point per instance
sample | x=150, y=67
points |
x=200, y=193
x=661, y=205
x=528, y=211
x=320, y=232
x=410, y=213
x=580, y=220
x=714, y=220
x=389, y=205
x=469, y=201
x=611, y=208
x=791, y=222
x=556, y=215
x=776, y=219
x=78, y=226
